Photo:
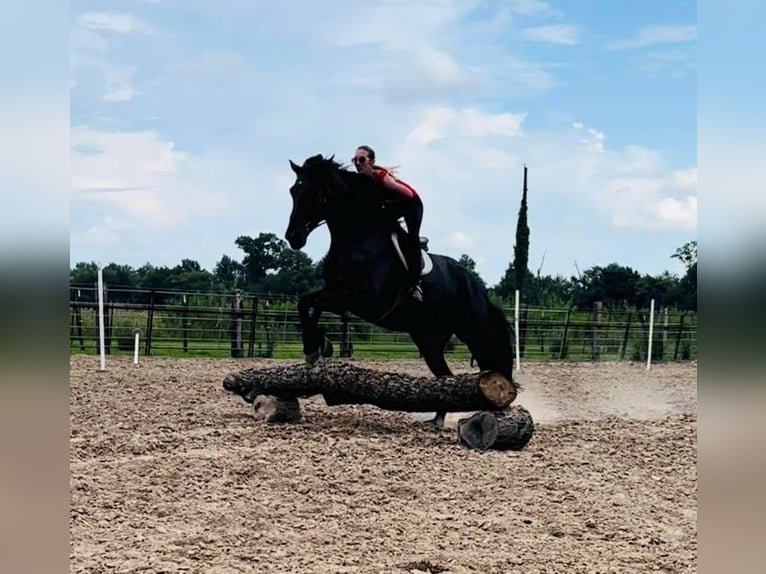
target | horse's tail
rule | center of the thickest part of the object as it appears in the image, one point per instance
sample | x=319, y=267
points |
x=482, y=325
x=502, y=335
x=498, y=321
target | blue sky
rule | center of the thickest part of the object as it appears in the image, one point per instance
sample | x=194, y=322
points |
x=184, y=115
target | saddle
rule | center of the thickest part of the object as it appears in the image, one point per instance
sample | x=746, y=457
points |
x=426, y=263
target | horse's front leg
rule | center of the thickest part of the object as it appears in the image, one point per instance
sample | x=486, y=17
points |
x=310, y=308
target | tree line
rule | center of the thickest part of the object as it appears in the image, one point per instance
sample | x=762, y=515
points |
x=268, y=265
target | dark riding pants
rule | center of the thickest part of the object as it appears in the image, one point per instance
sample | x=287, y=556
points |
x=413, y=217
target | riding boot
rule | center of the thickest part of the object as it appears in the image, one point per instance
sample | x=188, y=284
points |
x=414, y=263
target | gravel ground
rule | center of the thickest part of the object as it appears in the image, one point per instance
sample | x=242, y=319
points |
x=169, y=473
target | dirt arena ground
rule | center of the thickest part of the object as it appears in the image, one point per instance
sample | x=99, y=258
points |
x=169, y=473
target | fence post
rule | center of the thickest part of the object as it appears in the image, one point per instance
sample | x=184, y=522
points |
x=563, y=348
x=595, y=352
x=149, y=325
x=678, y=335
x=236, y=325
x=78, y=320
x=185, y=324
x=109, y=317
x=345, y=336
x=625, y=337
x=253, y=318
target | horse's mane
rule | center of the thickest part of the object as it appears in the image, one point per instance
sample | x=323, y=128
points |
x=318, y=161
x=359, y=192
x=325, y=166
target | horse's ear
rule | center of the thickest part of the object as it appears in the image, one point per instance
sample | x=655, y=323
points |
x=296, y=168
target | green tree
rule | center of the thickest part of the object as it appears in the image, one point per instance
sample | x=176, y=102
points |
x=261, y=255
x=468, y=262
x=662, y=288
x=521, y=249
x=84, y=274
x=507, y=285
x=296, y=274
x=687, y=289
x=119, y=280
x=228, y=273
x=614, y=285
x=550, y=291
x=687, y=254
x=190, y=277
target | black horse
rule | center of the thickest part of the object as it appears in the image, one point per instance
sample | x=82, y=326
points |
x=365, y=274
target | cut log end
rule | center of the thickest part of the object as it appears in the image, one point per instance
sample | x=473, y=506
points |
x=478, y=431
x=503, y=430
x=270, y=409
x=497, y=389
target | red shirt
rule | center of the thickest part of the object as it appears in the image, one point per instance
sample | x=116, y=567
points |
x=381, y=175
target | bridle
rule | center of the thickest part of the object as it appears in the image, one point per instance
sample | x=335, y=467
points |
x=325, y=192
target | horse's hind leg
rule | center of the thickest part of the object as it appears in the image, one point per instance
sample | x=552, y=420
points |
x=432, y=349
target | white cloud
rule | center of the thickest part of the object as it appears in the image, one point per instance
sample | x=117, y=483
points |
x=392, y=24
x=563, y=34
x=676, y=63
x=119, y=83
x=445, y=122
x=467, y=165
x=140, y=177
x=677, y=213
x=90, y=51
x=426, y=72
x=211, y=62
x=107, y=231
x=421, y=50
x=634, y=185
x=532, y=8
x=112, y=22
x=460, y=240
x=593, y=140
x=652, y=35
x=685, y=179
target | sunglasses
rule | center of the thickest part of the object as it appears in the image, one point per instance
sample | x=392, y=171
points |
x=361, y=160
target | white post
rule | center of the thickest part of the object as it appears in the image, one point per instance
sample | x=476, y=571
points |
x=516, y=331
x=101, y=334
x=651, y=336
x=137, y=335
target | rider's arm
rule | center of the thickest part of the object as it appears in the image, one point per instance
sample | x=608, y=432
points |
x=401, y=189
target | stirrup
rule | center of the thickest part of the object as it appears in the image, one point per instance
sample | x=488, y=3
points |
x=416, y=292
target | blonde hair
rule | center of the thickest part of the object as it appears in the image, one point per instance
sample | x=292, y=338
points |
x=393, y=170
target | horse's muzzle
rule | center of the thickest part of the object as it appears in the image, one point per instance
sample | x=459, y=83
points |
x=296, y=239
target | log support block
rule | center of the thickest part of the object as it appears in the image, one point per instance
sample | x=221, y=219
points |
x=270, y=409
x=497, y=430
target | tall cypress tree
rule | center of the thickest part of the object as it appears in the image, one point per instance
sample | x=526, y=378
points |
x=521, y=249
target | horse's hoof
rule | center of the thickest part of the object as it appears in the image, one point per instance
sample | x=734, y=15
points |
x=438, y=421
x=312, y=358
x=327, y=348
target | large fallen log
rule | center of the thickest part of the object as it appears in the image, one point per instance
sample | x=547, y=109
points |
x=341, y=383
x=499, y=430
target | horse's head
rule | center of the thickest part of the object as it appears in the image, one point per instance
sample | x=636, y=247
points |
x=315, y=183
